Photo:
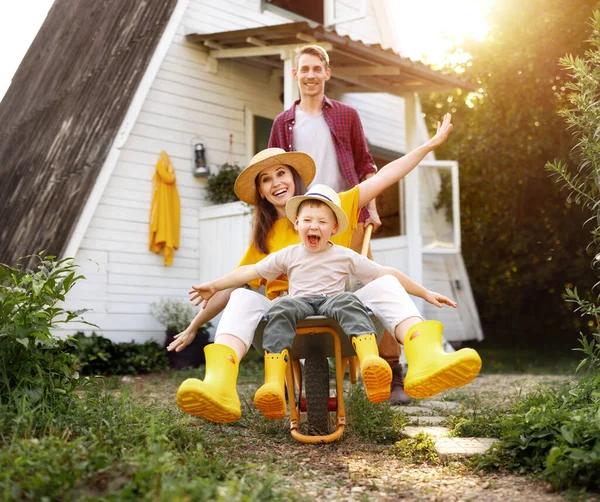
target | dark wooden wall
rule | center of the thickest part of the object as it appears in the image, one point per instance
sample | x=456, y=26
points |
x=62, y=112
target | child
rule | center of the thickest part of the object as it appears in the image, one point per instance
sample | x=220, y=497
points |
x=316, y=271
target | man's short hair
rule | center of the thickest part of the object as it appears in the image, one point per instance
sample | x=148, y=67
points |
x=315, y=50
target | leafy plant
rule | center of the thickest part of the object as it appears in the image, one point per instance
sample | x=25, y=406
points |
x=476, y=423
x=419, y=449
x=174, y=314
x=378, y=423
x=219, y=187
x=97, y=355
x=36, y=368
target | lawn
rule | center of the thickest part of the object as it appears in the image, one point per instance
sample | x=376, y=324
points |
x=125, y=439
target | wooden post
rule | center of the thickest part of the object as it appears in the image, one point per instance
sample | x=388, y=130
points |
x=412, y=200
x=290, y=87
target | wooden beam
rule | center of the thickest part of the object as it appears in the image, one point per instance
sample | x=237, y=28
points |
x=256, y=41
x=213, y=45
x=367, y=70
x=306, y=38
x=269, y=50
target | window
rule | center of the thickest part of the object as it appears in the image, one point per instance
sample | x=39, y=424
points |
x=390, y=205
x=312, y=10
x=262, y=132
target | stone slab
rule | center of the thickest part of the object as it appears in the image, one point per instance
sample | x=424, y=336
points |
x=465, y=447
x=435, y=431
x=441, y=405
x=426, y=420
x=413, y=410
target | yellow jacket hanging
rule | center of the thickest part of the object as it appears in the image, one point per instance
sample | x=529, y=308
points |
x=165, y=210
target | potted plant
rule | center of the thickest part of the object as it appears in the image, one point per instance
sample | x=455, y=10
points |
x=176, y=315
x=219, y=186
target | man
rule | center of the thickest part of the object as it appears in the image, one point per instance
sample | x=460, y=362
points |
x=332, y=134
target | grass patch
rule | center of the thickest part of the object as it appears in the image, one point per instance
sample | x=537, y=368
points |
x=113, y=448
x=528, y=361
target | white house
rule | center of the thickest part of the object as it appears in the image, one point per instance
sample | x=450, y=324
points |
x=216, y=74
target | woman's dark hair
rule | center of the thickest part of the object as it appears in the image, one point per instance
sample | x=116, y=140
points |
x=265, y=214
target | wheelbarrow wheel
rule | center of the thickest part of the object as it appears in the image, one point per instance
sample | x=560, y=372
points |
x=316, y=385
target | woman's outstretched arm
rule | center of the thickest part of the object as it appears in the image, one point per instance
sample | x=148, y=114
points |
x=396, y=170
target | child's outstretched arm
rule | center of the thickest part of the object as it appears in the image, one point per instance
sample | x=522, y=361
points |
x=396, y=170
x=234, y=279
x=416, y=289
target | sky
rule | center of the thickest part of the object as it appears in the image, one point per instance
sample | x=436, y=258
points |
x=428, y=28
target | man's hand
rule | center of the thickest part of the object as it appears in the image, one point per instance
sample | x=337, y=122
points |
x=182, y=340
x=438, y=300
x=373, y=218
x=202, y=292
x=443, y=130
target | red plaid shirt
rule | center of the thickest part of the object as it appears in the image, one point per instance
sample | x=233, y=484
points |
x=348, y=137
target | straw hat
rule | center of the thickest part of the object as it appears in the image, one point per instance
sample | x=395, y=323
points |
x=325, y=194
x=245, y=185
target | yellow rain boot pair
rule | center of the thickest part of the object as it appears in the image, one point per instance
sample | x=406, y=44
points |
x=430, y=369
x=375, y=371
x=214, y=398
x=270, y=397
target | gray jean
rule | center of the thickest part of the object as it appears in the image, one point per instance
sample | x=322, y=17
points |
x=283, y=316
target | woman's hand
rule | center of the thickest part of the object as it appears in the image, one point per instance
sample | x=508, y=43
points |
x=443, y=130
x=182, y=340
x=438, y=300
x=202, y=292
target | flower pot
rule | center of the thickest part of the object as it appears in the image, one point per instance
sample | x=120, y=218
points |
x=190, y=357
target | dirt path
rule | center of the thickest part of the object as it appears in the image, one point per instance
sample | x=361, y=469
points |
x=355, y=470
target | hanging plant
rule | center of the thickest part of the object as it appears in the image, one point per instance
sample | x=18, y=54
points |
x=219, y=186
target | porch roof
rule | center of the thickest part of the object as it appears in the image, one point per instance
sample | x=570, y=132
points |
x=356, y=66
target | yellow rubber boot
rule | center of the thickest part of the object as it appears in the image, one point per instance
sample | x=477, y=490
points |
x=270, y=397
x=214, y=398
x=375, y=371
x=430, y=369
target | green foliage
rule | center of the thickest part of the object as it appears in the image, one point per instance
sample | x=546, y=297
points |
x=36, y=368
x=219, y=187
x=519, y=239
x=373, y=422
x=583, y=184
x=483, y=423
x=174, y=314
x=111, y=448
x=99, y=356
x=553, y=434
x=418, y=450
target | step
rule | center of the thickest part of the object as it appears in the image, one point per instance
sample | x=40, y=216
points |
x=447, y=447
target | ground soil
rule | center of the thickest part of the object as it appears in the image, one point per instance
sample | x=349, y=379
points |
x=355, y=470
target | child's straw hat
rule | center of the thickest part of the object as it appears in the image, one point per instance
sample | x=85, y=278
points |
x=325, y=194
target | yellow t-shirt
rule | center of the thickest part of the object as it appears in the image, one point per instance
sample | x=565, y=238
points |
x=283, y=235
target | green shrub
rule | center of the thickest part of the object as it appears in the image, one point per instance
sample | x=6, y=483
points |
x=477, y=423
x=97, y=355
x=173, y=313
x=419, y=450
x=36, y=367
x=219, y=187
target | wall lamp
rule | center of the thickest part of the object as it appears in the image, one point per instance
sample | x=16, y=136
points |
x=199, y=167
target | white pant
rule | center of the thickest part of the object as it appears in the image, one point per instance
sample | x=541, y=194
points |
x=385, y=297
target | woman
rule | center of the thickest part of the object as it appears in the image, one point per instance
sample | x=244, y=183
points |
x=271, y=179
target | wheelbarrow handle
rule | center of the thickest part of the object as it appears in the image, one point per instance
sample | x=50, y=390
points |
x=367, y=239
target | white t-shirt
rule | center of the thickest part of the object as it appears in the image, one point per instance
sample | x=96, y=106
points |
x=313, y=136
x=322, y=273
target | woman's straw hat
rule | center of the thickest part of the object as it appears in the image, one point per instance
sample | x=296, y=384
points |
x=245, y=184
x=325, y=194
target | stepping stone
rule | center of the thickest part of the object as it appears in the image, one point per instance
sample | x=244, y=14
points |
x=447, y=447
x=413, y=410
x=424, y=420
x=442, y=405
x=465, y=447
x=435, y=431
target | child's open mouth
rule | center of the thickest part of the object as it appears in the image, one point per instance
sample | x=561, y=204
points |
x=313, y=240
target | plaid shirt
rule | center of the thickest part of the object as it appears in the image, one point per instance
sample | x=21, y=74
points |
x=353, y=155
